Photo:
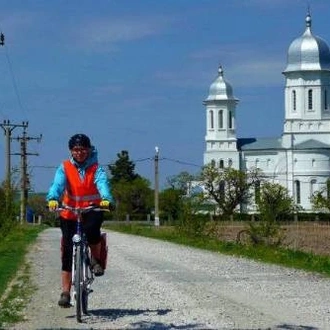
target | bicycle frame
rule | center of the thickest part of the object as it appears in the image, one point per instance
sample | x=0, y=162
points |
x=82, y=275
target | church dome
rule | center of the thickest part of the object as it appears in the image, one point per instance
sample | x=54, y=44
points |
x=308, y=52
x=220, y=89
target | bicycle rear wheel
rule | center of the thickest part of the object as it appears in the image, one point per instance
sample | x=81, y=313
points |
x=78, y=281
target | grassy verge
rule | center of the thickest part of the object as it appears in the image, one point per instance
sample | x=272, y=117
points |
x=14, y=272
x=280, y=256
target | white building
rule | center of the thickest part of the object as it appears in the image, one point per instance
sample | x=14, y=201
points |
x=299, y=159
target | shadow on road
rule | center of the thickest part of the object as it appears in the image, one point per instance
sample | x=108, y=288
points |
x=112, y=314
x=145, y=325
x=294, y=327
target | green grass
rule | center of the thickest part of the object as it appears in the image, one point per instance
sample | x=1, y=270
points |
x=13, y=248
x=280, y=256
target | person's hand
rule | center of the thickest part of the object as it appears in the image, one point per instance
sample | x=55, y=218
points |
x=104, y=204
x=53, y=205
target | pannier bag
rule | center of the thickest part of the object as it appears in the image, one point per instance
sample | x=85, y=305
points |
x=104, y=251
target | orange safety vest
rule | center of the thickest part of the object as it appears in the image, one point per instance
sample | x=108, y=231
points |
x=79, y=192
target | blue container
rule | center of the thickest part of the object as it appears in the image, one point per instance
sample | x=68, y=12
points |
x=29, y=215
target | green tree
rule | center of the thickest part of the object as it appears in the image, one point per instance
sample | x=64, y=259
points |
x=321, y=199
x=123, y=169
x=228, y=187
x=132, y=192
x=170, y=202
x=171, y=198
x=181, y=182
x=274, y=204
x=133, y=197
x=37, y=203
x=8, y=210
x=191, y=221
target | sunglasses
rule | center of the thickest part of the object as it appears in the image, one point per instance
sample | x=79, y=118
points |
x=81, y=150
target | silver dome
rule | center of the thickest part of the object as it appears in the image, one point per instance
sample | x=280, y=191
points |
x=220, y=89
x=308, y=52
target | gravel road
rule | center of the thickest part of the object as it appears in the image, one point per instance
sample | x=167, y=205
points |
x=151, y=284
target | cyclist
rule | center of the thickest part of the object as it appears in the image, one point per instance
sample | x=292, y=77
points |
x=79, y=181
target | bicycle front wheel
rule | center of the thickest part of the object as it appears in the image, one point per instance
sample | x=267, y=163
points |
x=78, y=281
x=84, y=294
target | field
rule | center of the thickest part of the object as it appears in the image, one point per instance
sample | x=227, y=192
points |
x=303, y=236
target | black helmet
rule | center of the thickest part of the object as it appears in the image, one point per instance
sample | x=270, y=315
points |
x=79, y=140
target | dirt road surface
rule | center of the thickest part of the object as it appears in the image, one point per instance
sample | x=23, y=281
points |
x=151, y=284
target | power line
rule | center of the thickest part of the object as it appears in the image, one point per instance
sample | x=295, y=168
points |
x=43, y=166
x=181, y=162
x=134, y=161
x=142, y=159
x=12, y=75
x=14, y=82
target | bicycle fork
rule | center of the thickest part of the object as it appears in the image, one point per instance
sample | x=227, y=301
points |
x=87, y=274
x=73, y=275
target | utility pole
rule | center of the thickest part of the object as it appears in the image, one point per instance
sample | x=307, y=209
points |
x=156, y=188
x=24, y=174
x=8, y=127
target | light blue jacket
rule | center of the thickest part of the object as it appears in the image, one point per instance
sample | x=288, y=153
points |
x=59, y=183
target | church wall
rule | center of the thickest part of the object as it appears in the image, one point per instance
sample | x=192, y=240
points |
x=299, y=160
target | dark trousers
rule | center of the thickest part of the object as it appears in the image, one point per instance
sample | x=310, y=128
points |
x=92, y=222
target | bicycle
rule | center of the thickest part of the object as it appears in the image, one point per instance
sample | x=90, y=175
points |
x=82, y=272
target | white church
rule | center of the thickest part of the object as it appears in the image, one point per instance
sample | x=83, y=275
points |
x=298, y=160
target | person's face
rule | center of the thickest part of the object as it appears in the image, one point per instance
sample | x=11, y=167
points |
x=80, y=154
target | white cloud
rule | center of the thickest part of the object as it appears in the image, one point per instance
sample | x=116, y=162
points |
x=247, y=64
x=109, y=32
x=257, y=72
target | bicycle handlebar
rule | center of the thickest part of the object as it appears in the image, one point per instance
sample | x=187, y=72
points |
x=81, y=209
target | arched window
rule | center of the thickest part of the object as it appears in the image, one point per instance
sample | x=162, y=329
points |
x=257, y=192
x=257, y=163
x=294, y=100
x=230, y=119
x=213, y=162
x=312, y=187
x=310, y=99
x=220, y=119
x=297, y=191
x=230, y=162
x=222, y=189
x=211, y=119
x=221, y=163
x=325, y=99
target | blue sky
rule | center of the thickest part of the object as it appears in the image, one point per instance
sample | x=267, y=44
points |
x=133, y=74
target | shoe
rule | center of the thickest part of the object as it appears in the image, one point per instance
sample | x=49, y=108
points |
x=96, y=267
x=98, y=270
x=65, y=300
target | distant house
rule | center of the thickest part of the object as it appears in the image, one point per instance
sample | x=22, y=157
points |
x=300, y=158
